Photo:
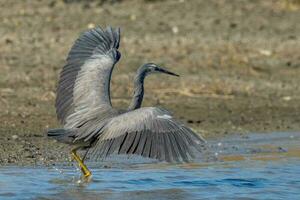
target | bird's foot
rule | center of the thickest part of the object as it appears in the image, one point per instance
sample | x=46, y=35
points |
x=87, y=177
x=85, y=171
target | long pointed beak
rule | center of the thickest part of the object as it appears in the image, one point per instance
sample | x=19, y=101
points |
x=162, y=70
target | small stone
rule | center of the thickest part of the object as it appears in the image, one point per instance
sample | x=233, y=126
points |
x=8, y=41
x=175, y=29
x=233, y=25
x=91, y=25
x=287, y=98
x=265, y=52
x=14, y=137
x=133, y=17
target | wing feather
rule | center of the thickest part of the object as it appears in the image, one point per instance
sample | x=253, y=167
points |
x=149, y=132
x=147, y=146
x=128, y=141
x=174, y=147
x=183, y=148
x=141, y=144
x=135, y=143
x=160, y=141
x=154, y=148
x=84, y=80
x=168, y=153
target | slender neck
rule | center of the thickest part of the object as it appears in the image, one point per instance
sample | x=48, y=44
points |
x=138, y=94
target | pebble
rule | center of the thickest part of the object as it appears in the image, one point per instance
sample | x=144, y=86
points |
x=287, y=98
x=265, y=52
x=14, y=137
x=175, y=29
x=133, y=17
x=91, y=25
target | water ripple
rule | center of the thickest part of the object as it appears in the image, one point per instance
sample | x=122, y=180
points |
x=247, y=178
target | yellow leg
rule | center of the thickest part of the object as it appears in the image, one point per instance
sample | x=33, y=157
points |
x=86, y=172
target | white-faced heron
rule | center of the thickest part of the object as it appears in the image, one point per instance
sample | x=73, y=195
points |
x=89, y=121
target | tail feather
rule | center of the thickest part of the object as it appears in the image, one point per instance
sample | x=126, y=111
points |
x=61, y=135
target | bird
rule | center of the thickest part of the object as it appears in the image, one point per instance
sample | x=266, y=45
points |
x=89, y=121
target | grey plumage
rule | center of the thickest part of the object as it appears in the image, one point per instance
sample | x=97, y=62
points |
x=84, y=107
x=84, y=81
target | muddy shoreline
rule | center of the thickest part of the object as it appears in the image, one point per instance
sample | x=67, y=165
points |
x=238, y=63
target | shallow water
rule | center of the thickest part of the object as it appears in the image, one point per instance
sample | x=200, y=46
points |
x=259, y=166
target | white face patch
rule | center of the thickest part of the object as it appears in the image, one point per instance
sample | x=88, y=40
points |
x=164, y=116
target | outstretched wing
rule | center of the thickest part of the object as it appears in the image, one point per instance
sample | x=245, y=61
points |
x=83, y=90
x=149, y=132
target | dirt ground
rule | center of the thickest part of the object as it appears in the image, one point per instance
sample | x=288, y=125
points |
x=239, y=63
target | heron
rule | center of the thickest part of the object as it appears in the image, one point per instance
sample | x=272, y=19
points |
x=89, y=121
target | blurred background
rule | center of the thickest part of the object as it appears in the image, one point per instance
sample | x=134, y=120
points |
x=239, y=62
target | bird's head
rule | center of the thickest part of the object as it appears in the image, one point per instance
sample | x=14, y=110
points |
x=150, y=68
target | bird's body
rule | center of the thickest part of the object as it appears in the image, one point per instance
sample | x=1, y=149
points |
x=90, y=122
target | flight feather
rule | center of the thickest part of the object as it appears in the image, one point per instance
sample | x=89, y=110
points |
x=84, y=84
